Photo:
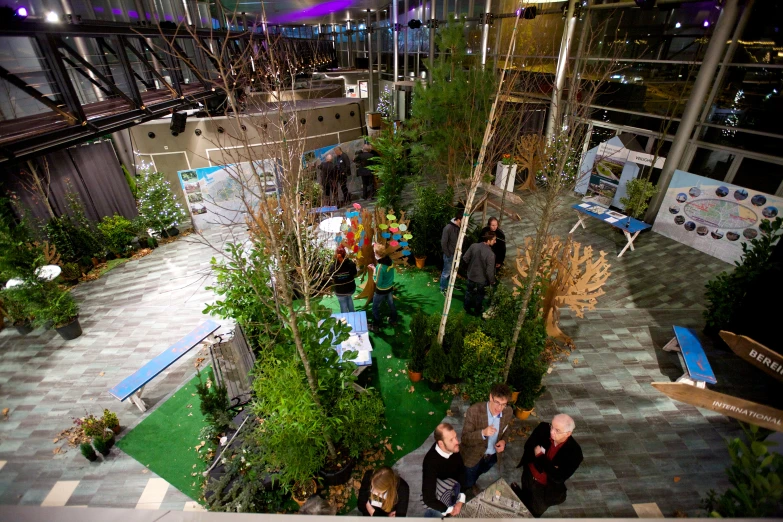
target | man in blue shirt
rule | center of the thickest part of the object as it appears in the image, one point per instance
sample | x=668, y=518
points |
x=484, y=433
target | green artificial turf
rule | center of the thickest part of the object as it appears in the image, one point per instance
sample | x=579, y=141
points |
x=165, y=441
x=410, y=417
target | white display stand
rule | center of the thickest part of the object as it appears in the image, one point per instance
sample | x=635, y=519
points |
x=505, y=176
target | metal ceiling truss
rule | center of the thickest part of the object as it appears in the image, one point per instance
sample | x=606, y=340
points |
x=105, y=78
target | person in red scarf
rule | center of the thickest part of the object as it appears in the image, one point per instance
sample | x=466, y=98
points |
x=551, y=456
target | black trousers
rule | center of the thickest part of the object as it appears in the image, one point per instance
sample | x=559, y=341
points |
x=368, y=187
x=474, y=298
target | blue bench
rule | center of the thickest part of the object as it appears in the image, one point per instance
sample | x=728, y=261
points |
x=323, y=210
x=356, y=320
x=629, y=226
x=133, y=386
x=692, y=357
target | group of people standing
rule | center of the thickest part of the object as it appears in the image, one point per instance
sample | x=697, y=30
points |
x=483, y=260
x=452, y=467
x=336, y=168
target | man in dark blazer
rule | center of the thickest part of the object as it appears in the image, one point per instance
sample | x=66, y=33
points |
x=551, y=457
x=484, y=434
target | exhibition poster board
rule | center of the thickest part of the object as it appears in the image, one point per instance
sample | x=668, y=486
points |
x=219, y=195
x=607, y=168
x=712, y=216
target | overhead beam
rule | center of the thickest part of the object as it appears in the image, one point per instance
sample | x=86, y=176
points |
x=35, y=94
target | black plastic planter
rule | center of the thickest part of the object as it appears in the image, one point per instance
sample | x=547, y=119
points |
x=339, y=477
x=23, y=329
x=71, y=330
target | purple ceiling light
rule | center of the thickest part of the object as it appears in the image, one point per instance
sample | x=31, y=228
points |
x=323, y=9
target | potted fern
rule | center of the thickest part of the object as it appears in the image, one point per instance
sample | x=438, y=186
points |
x=57, y=309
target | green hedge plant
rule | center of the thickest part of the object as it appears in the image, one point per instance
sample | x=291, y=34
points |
x=637, y=198
x=482, y=365
x=118, y=233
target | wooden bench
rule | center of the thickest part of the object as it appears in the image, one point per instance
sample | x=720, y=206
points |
x=232, y=362
x=133, y=386
x=692, y=356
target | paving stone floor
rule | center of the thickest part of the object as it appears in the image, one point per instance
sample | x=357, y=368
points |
x=639, y=446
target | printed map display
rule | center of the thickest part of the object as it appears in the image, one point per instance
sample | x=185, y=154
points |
x=215, y=194
x=713, y=217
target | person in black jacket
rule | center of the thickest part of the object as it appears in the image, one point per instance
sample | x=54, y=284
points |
x=551, y=457
x=443, y=479
x=448, y=243
x=363, y=161
x=343, y=166
x=383, y=493
x=480, y=260
x=499, y=248
x=329, y=180
x=343, y=275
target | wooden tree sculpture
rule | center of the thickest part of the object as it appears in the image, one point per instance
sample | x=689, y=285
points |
x=528, y=154
x=393, y=234
x=571, y=277
x=356, y=236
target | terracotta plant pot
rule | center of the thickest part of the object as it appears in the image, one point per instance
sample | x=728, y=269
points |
x=514, y=397
x=420, y=260
x=306, y=491
x=116, y=429
x=522, y=414
x=414, y=376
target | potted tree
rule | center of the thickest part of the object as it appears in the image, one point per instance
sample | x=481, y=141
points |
x=526, y=381
x=432, y=210
x=58, y=309
x=417, y=345
x=435, y=365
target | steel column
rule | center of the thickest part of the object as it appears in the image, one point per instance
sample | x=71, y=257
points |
x=562, y=67
x=396, y=40
x=371, y=82
x=485, y=34
x=706, y=74
x=431, y=59
x=405, y=47
x=48, y=46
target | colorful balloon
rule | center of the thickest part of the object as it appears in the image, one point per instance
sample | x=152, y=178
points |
x=393, y=243
x=407, y=236
x=339, y=239
x=403, y=227
x=406, y=252
x=357, y=206
x=391, y=217
x=383, y=226
x=396, y=236
x=403, y=243
x=385, y=235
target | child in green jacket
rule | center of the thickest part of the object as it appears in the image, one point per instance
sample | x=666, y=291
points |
x=383, y=277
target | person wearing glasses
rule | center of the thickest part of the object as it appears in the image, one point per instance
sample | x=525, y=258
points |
x=551, y=456
x=484, y=434
x=383, y=493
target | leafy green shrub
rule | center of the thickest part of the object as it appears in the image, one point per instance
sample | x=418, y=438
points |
x=453, y=340
x=118, y=233
x=755, y=475
x=18, y=254
x=436, y=363
x=52, y=304
x=71, y=272
x=101, y=443
x=432, y=210
x=243, y=294
x=362, y=416
x=638, y=194
x=482, y=365
x=19, y=304
x=726, y=293
x=87, y=451
x=110, y=419
x=214, y=402
x=158, y=208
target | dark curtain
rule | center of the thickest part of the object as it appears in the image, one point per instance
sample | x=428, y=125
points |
x=90, y=171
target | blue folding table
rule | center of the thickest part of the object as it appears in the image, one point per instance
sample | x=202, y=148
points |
x=630, y=226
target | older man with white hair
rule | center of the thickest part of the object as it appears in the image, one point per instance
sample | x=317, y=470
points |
x=551, y=457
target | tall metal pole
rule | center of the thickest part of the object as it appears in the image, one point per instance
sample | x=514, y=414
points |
x=349, y=34
x=371, y=81
x=445, y=10
x=378, y=31
x=485, y=34
x=706, y=74
x=396, y=39
x=405, y=47
x=716, y=85
x=431, y=60
x=562, y=66
x=470, y=8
